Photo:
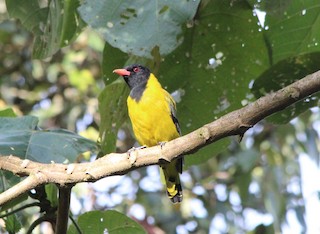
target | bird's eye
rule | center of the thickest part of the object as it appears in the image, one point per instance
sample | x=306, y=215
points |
x=136, y=69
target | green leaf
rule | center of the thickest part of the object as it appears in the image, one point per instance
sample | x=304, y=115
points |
x=29, y=13
x=273, y=7
x=8, y=112
x=223, y=51
x=12, y=224
x=293, y=30
x=7, y=180
x=71, y=22
x=54, y=26
x=282, y=74
x=21, y=137
x=49, y=42
x=112, y=59
x=113, y=112
x=136, y=27
x=109, y=221
x=52, y=194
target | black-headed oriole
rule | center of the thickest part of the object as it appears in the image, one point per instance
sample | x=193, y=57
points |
x=152, y=112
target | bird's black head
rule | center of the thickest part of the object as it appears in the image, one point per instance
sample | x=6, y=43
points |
x=135, y=75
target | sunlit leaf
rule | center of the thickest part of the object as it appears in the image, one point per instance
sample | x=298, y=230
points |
x=82, y=79
x=8, y=112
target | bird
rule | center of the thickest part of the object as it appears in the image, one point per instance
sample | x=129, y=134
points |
x=152, y=112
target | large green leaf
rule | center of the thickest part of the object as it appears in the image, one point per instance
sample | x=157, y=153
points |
x=110, y=221
x=136, y=27
x=293, y=29
x=282, y=74
x=223, y=52
x=112, y=108
x=54, y=26
x=21, y=137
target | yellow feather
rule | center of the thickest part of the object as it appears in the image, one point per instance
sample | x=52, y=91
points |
x=151, y=115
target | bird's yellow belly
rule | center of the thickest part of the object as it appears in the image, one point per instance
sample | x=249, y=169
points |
x=151, y=121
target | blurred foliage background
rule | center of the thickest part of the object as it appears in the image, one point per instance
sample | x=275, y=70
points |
x=57, y=58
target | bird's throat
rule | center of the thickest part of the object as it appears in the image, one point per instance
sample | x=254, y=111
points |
x=137, y=91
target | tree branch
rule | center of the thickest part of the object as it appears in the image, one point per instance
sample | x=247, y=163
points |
x=233, y=123
x=63, y=210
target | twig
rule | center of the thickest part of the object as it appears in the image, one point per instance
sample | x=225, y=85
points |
x=19, y=209
x=75, y=224
x=46, y=217
x=234, y=123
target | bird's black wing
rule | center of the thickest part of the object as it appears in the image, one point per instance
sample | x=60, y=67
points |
x=174, y=116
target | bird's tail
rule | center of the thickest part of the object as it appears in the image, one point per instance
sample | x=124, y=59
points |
x=171, y=174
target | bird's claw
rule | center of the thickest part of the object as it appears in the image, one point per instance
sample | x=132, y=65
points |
x=162, y=143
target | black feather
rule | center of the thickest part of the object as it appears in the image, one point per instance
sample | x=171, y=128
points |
x=137, y=80
x=174, y=118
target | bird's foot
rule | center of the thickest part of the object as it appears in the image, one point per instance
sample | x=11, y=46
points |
x=162, y=143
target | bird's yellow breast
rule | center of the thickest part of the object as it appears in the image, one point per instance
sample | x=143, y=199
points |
x=151, y=115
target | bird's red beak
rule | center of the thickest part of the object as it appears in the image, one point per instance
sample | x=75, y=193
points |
x=122, y=72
